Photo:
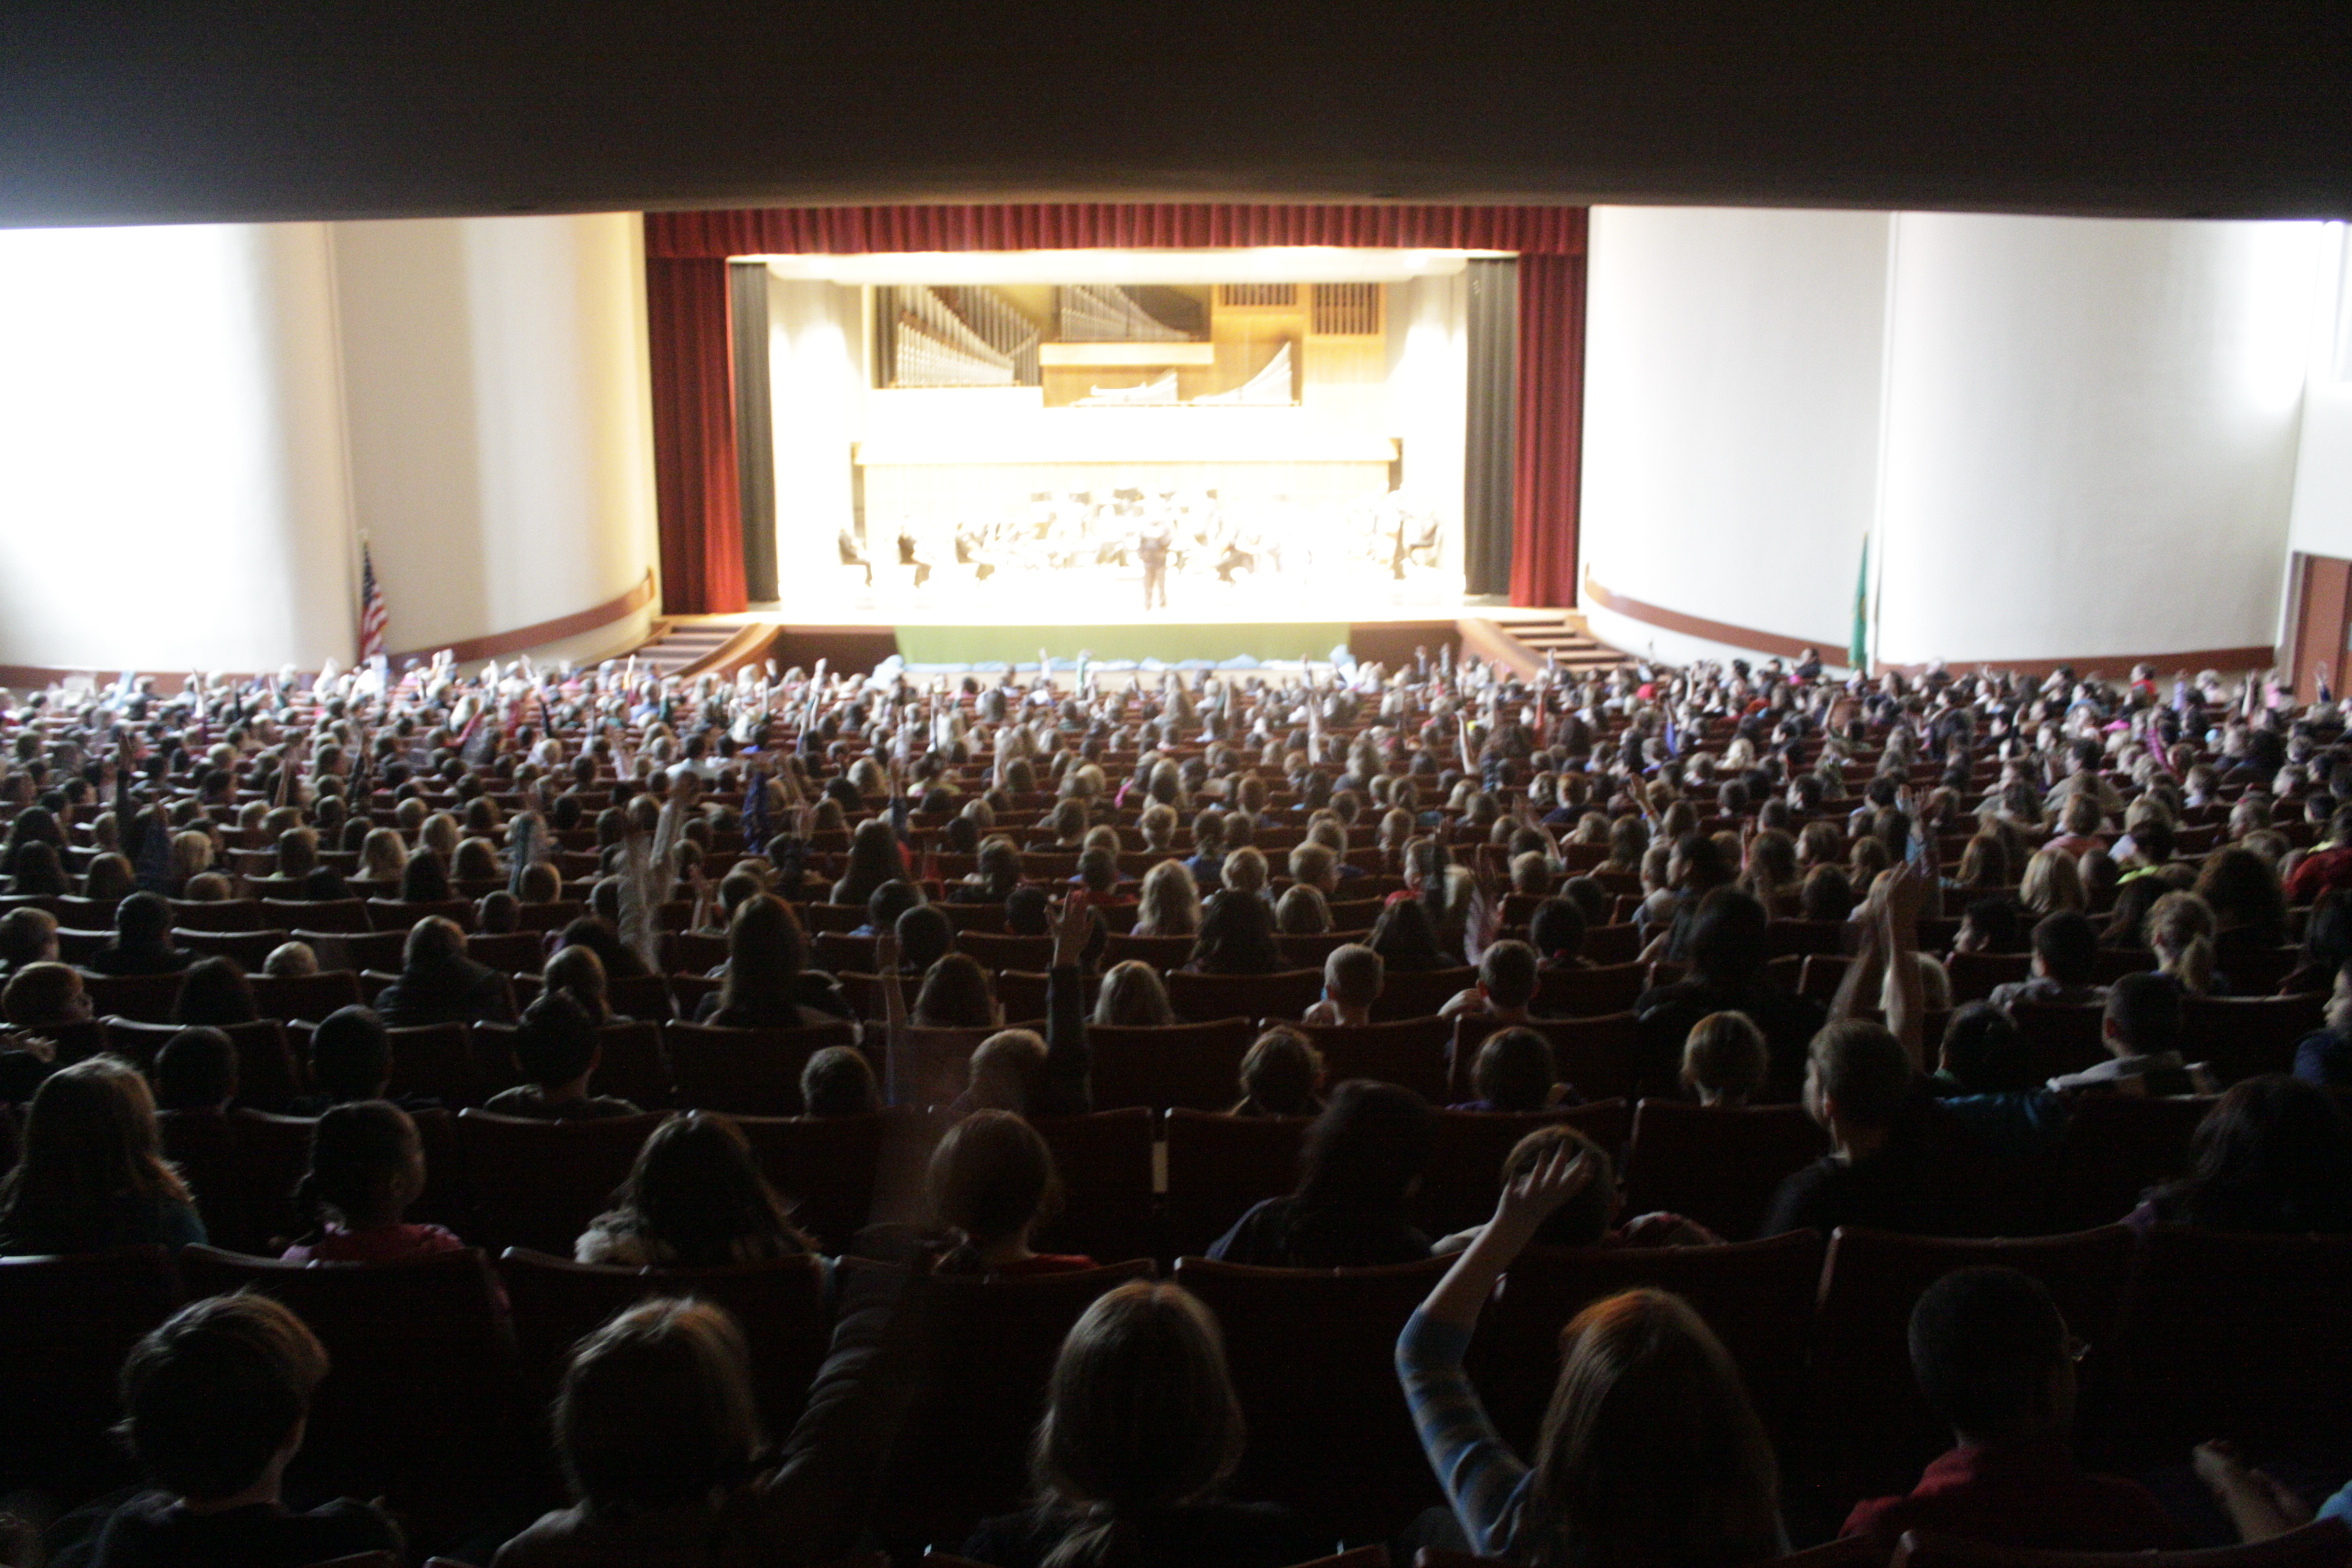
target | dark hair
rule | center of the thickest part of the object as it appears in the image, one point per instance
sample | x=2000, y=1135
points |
x=1727, y=938
x=423, y=880
x=1984, y=1342
x=1027, y=912
x=1584, y=1219
x=991, y=1175
x=1514, y=1071
x=766, y=952
x=696, y=1189
x=1280, y=1073
x=1236, y=937
x=351, y=1053
x=89, y=1141
x=893, y=898
x=355, y=1149
x=2274, y=1156
x=1406, y=938
x=215, y=991
x=1556, y=929
x=1140, y=1417
x=2245, y=894
x=2327, y=936
x=2146, y=1012
x=1367, y=1148
x=555, y=1043
x=2068, y=946
x=839, y=1081
x=1984, y=1052
x=195, y=1070
x=924, y=936
x=2127, y=921
x=211, y=1396
x=656, y=1407
x=1998, y=919
x=142, y=920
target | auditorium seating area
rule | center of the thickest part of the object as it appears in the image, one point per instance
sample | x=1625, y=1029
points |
x=443, y=1366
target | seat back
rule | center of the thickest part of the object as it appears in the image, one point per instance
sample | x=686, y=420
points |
x=537, y=1184
x=2236, y=1336
x=513, y=952
x=146, y=999
x=995, y=950
x=1874, y=1429
x=1197, y=1065
x=1717, y=1165
x=1975, y=974
x=1757, y=1296
x=227, y=914
x=437, y=1061
x=1600, y=1056
x=2322, y=1544
x=289, y=997
x=1465, y=1172
x=827, y=1166
x=1313, y=1355
x=2116, y=1147
x=933, y=1066
x=1105, y=1162
x=1589, y=993
x=1411, y=1052
x=424, y=1393
x=340, y=914
x=1286, y=993
x=401, y=915
x=989, y=1347
x=751, y=1072
x=1416, y=993
x=2060, y=1037
x=779, y=1305
x=1220, y=1165
x=65, y=1325
x=251, y=949
x=2243, y=1037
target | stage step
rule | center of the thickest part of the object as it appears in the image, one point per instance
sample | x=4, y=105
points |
x=1525, y=643
x=683, y=643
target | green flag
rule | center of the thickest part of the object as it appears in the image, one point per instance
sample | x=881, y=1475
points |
x=1858, y=652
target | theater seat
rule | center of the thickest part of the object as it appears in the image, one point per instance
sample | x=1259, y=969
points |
x=1589, y=993
x=537, y=1184
x=1197, y=1065
x=1600, y=1057
x=1105, y=1162
x=2117, y=1146
x=146, y=999
x=268, y=1077
x=827, y=1167
x=989, y=1346
x=1411, y=1052
x=1757, y=1296
x=65, y=1325
x=1413, y=993
x=753, y=1072
x=290, y=997
x=2323, y=1544
x=2242, y=1037
x=1218, y=1166
x=424, y=1399
x=779, y=1304
x=1313, y=1354
x=1717, y=1165
x=1286, y=993
x=1872, y=1428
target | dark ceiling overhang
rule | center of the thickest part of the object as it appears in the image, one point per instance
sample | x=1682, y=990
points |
x=183, y=110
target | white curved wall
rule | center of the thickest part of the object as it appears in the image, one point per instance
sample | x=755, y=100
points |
x=2065, y=437
x=172, y=486
x=500, y=416
x=1731, y=417
x=2090, y=435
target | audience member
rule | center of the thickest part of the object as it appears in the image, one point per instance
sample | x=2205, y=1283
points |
x=367, y=1167
x=196, y=1071
x=992, y=1183
x=1357, y=1169
x=838, y=1081
x=1281, y=1075
x=694, y=1199
x=1724, y=1060
x=91, y=1175
x=555, y=1047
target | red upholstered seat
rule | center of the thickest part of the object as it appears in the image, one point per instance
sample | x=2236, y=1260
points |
x=1590, y=993
x=1411, y=1052
x=1220, y=1165
x=1105, y=1162
x=2320, y=1545
x=65, y=1325
x=755, y=1072
x=1718, y=1166
x=1196, y=1065
x=1284, y=994
x=537, y=1184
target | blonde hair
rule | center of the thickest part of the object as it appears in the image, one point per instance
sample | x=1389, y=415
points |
x=2180, y=929
x=1169, y=903
x=2053, y=882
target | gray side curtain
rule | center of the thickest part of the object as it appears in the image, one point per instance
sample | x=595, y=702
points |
x=1491, y=445
x=755, y=437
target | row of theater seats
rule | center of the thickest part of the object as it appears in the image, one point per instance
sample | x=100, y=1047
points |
x=439, y=1364
x=1146, y=1184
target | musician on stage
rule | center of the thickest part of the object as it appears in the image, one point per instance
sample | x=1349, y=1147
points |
x=1151, y=547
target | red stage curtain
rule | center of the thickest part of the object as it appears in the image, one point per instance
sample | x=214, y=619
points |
x=1545, y=488
x=696, y=501
x=789, y=231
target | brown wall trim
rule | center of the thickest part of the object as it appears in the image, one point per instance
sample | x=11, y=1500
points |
x=499, y=645
x=2232, y=659
x=1714, y=631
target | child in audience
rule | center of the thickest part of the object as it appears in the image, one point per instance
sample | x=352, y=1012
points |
x=27, y=936
x=1142, y=1428
x=45, y=995
x=2141, y=1026
x=141, y=944
x=91, y=1175
x=290, y=961
x=351, y=1059
x=2065, y=956
x=215, y=1403
x=1170, y=902
x=367, y=1166
x=1556, y=932
x=1995, y=1360
x=555, y=1046
x=1353, y=978
x=1724, y=1060
x=1887, y=1168
x=1357, y=1168
x=1132, y=996
x=694, y=1199
x=215, y=992
x=1514, y=1073
x=1651, y=1451
x=991, y=1184
x=2274, y=1157
x=196, y=1071
x=576, y=972
x=1505, y=992
x=1588, y=1219
x=1280, y=1076
x=839, y=1081
x=1302, y=911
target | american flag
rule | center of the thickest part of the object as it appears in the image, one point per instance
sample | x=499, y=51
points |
x=372, y=614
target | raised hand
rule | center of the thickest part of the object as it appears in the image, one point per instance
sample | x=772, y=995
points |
x=1073, y=929
x=1534, y=1197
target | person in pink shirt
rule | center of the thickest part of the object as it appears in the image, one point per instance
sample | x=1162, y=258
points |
x=366, y=1167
